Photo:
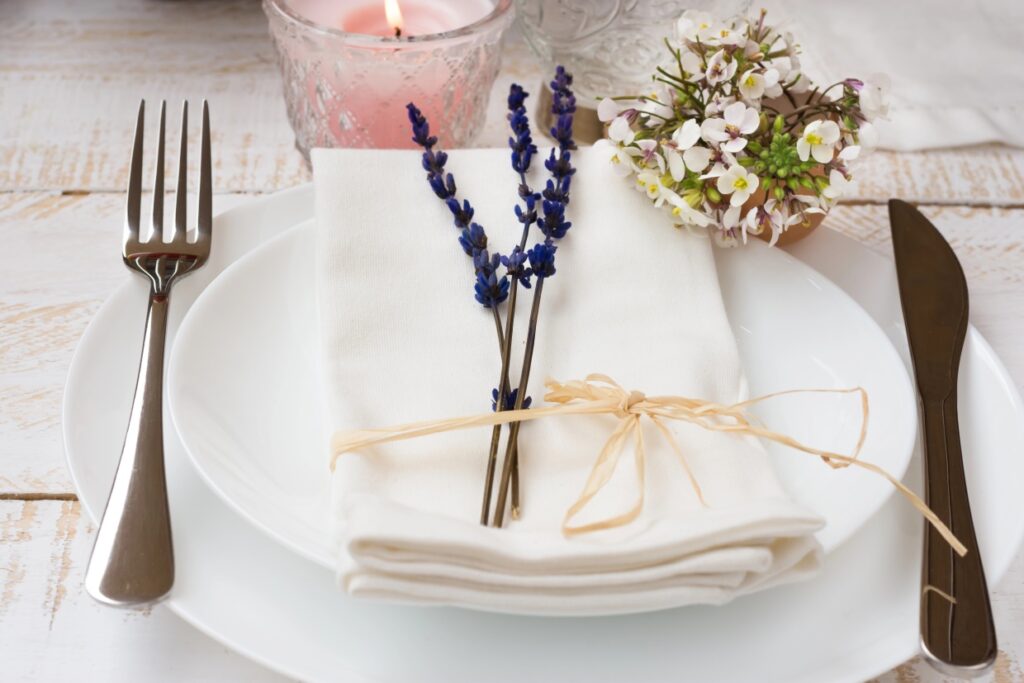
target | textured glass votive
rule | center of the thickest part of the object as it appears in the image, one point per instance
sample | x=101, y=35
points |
x=347, y=89
x=611, y=47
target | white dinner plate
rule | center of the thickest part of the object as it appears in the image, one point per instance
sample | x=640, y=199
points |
x=856, y=620
x=245, y=388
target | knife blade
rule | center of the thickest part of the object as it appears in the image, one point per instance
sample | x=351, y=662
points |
x=957, y=632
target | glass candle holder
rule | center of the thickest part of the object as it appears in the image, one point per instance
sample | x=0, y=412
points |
x=611, y=47
x=346, y=89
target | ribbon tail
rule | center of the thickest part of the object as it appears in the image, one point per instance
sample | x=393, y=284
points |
x=601, y=474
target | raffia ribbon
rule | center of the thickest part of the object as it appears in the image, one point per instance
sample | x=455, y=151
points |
x=600, y=395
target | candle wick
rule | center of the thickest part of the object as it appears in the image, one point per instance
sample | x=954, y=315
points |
x=398, y=32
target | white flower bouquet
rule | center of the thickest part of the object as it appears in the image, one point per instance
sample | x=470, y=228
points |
x=733, y=137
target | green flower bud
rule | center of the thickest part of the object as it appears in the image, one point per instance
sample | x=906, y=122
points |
x=821, y=182
x=794, y=184
x=782, y=172
x=778, y=124
x=713, y=194
x=780, y=193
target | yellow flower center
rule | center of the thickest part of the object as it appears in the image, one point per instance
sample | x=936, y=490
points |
x=750, y=81
x=652, y=187
x=676, y=211
x=740, y=184
x=813, y=138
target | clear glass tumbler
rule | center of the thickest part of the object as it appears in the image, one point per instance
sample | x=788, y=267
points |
x=350, y=90
x=611, y=47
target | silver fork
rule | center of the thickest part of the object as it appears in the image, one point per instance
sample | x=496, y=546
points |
x=132, y=560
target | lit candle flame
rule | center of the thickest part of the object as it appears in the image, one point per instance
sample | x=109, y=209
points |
x=394, y=15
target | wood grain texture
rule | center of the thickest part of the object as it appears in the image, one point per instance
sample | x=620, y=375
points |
x=60, y=258
x=71, y=76
x=50, y=630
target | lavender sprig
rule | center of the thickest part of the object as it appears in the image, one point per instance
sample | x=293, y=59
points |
x=490, y=286
x=522, y=151
x=542, y=258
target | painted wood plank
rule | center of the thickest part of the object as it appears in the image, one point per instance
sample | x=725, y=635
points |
x=72, y=74
x=59, y=259
x=50, y=630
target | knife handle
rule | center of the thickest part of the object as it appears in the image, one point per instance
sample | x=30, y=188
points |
x=957, y=632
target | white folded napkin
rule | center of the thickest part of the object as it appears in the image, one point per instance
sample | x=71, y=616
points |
x=954, y=65
x=404, y=340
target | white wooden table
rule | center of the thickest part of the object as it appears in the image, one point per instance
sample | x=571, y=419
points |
x=71, y=75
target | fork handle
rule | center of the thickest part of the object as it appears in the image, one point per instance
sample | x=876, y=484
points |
x=132, y=560
x=957, y=632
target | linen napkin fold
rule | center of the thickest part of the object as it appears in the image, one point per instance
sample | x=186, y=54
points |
x=404, y=340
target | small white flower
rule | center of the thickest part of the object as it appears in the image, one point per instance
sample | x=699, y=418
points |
x=731, y=217
x=658, y=103
x=650, y=183
x=722, y=161
x=686, y=214
x=619, y=130
x=818, y=140
x=729, y=35
x=874, y=97
x=686, y=135
x=676, y=165
x=682, y=153
x=619, y=157
x=694, y=25
x=838, y=185
x=737, y=182
x=752, y=85
x=716, y=103
x=608, y=109
x=648, y=156
x=697, y=158
x=738, y=120
x=692, y=65
x=765, y=217
x=849, y=153
x=720, y=69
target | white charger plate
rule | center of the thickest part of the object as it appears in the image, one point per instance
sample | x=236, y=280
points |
x=245, y=388
x=858, y=619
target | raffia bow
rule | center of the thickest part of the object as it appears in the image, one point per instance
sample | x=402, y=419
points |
x=600, y=395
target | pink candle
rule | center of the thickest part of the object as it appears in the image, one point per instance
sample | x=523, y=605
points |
x=413, y=17
x=364, y=60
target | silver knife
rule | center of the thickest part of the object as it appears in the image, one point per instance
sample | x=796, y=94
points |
x=957, y=633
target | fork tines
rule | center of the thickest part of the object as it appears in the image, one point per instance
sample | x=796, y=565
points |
x=137, y=248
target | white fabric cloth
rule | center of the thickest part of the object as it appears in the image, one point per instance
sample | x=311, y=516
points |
x=955, y=65
x=404, y=340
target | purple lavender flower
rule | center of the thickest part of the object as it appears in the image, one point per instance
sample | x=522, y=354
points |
x=516, y=268
x=542, y=259
x=473, y=239
x=462, y=215
x=490, y=288
x=521, y=142
x=510, y=400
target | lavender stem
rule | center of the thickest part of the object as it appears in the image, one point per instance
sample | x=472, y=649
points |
x=524, y=380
